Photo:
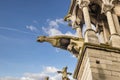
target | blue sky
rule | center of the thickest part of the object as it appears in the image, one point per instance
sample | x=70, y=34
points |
x=21, y=21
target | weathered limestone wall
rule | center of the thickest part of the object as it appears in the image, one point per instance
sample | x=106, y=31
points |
x=104, y=65
x=117, y=9
x=85, y=71
x=100, y=65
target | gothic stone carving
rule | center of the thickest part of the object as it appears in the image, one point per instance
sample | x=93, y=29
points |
x=70, y=43
x=64, y=73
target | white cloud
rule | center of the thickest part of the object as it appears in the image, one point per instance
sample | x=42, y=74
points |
x=53, y=28
x=53, y=24
x=50, y=69
x=70, y=34
x=56, y=77
x=47, y=71
x=33, y=76
x=61, y=21
x=52, y=31
x=9, y=78
x=32, y=28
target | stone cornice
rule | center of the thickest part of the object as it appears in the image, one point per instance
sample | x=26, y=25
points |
x=104, y=47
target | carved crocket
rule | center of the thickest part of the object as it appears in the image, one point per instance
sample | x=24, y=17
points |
x=70, y=43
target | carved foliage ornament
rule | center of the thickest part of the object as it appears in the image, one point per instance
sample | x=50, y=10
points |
x=84, y=4
x=106, y=8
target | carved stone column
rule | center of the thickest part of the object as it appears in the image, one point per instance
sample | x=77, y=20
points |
x=101, y=34
x=78, y=29
x=84, y=6
x=106, y=32
x=107, y=10
x=116, y=21
x=90, y=35
x=79, y=32
x=115, y=37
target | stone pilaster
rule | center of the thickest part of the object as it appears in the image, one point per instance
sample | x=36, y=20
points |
x=90, y=35
x=84, y=6
x=79, y=32
x=107, y=10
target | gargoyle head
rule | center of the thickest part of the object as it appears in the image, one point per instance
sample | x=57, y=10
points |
x=41, y=38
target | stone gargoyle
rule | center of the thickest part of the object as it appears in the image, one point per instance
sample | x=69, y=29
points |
x=65, y=73
x=70, y=43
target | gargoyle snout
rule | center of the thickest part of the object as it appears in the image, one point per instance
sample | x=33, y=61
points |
x=38, y=38
x=41, y=38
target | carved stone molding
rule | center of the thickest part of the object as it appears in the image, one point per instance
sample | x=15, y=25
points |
x=106, y=8
x=84, y=4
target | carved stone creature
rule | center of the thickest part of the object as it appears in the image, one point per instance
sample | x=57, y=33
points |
x=64, y=73
x=47, y=78
x=70, y=43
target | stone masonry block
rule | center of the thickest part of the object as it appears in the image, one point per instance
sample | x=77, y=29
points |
x=101, y=71
x=113, y=54
x=113, y=67
x=100, y=66
x=101, y=61
x=114, y=73
x=97, y=76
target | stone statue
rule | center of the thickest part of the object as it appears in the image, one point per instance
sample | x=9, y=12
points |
x=70, y=43
x=47, y=78
x=64, y=73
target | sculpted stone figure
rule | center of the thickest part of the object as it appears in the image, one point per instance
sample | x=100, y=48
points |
x=47, y=78
x=73, y=44
x=64, y=73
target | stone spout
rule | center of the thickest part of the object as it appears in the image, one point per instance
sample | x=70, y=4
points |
x=41, y=38
x=70, y=43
